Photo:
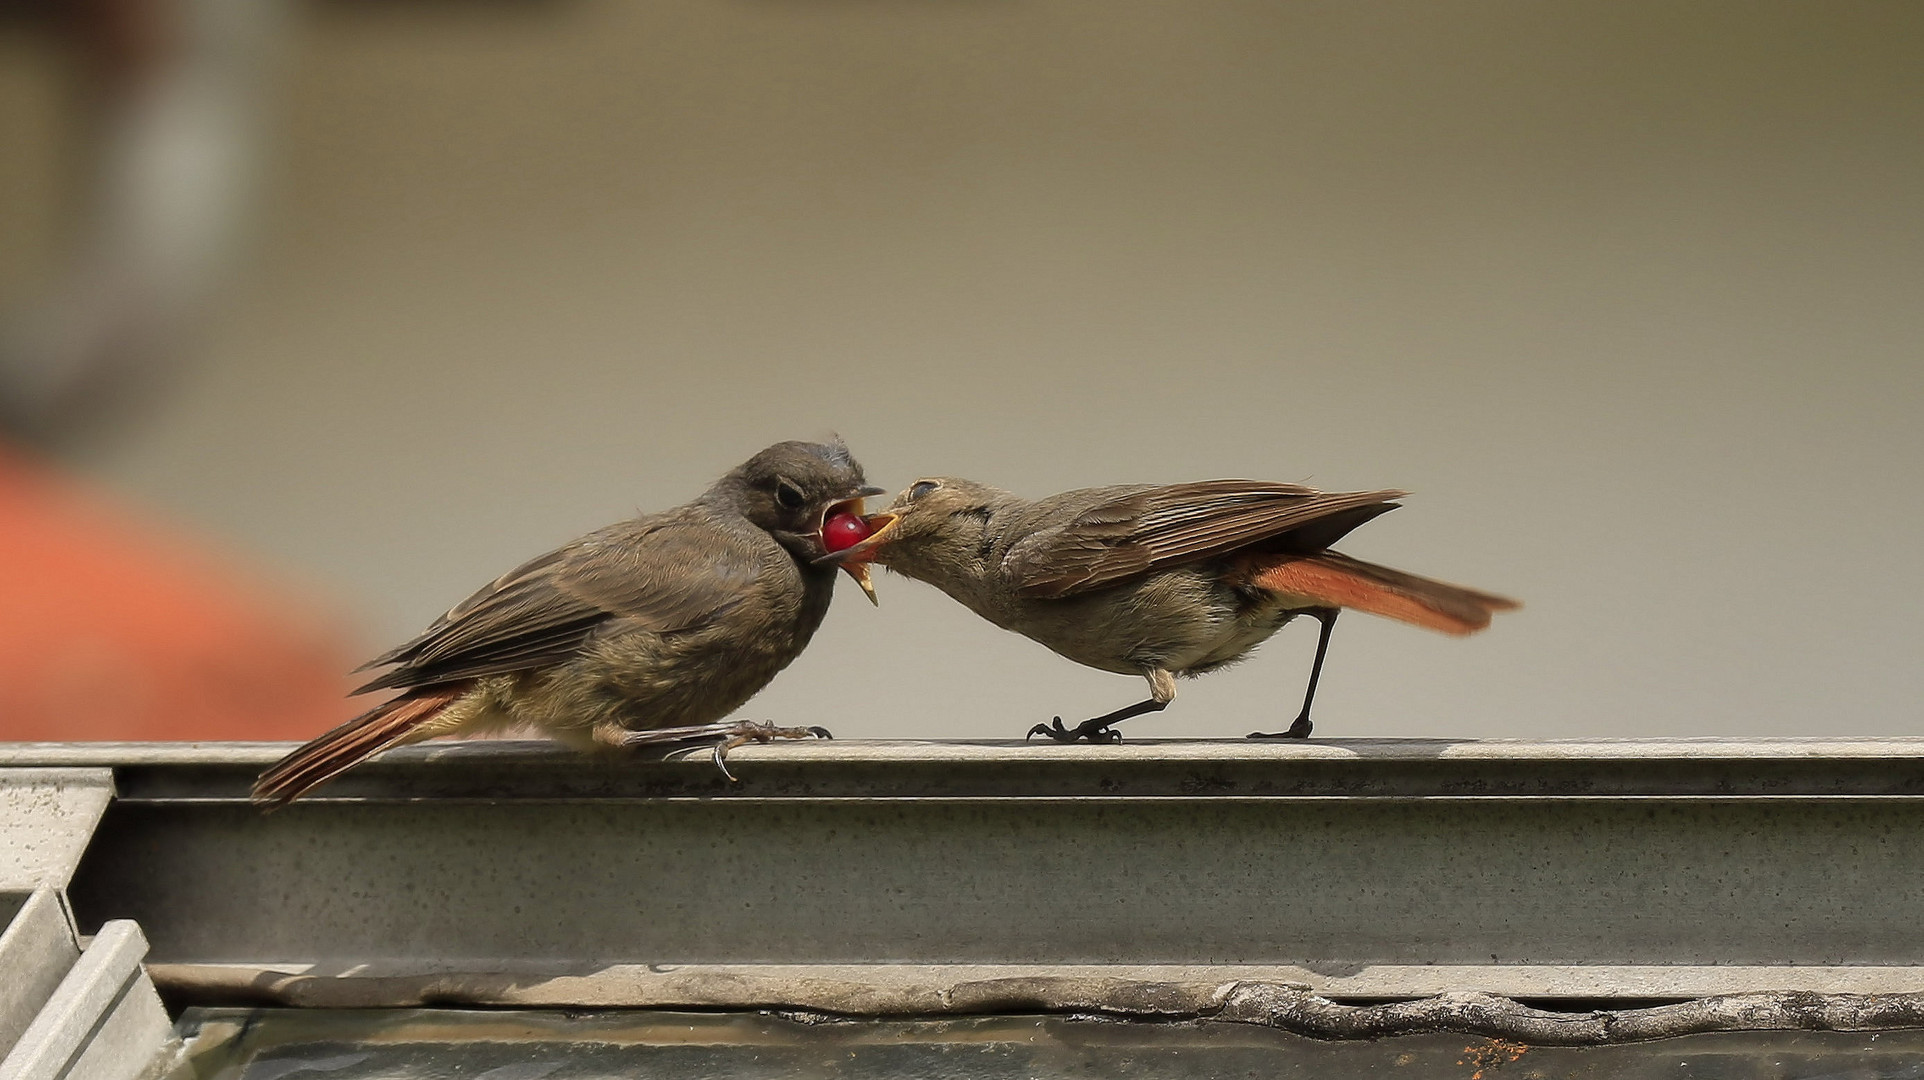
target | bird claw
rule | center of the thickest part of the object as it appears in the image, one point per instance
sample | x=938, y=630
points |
x=1298, y=730
x=720, y=757
x=1094, y=731
x=759, y=731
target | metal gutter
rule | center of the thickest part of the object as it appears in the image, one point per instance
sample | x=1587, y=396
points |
x=103, y=1021
x=47, y=817
x=36, y=950
x=908, y=878
x=66, y=1012
x=1189, y=769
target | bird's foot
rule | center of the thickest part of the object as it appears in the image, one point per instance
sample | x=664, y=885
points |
x=1095, y=731
x=731, y=735
x=762, y=732
x=1298, y=730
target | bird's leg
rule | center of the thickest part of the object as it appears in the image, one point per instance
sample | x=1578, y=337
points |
x=1162, y=691
x=729, y=735
x=1300, y=729
x=1096, y=730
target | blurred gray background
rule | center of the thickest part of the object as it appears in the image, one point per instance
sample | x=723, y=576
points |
x=1631, y=295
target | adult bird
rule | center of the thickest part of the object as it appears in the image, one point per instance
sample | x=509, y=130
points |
x=1157, y=581
x=648, y=631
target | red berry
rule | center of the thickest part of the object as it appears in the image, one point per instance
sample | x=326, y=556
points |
x=843, y=531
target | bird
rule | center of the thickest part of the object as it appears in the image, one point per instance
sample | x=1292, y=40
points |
x=647, y=631
x=1161, y=581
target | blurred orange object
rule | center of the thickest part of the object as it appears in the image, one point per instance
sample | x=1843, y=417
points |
x=112, y=627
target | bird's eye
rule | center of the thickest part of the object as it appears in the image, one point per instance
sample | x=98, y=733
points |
x=921, y=488
x=789, y=495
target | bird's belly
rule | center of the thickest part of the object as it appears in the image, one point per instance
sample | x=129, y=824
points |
x=1237, y=638
x=1175, y=620
x=646, y=680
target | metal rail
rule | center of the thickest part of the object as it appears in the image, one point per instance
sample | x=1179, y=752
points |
x=894, y=877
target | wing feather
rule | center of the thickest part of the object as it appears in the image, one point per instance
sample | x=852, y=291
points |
x=1140, y=529
x=663, y=574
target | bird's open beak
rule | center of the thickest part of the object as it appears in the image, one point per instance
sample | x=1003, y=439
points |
x=855, y=560
x=856, y=568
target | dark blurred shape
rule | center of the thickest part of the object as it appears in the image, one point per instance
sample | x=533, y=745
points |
x=111, y=628
x=168, y=94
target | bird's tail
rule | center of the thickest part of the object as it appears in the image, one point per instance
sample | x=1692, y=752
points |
x=324, y=757
x=1340, y=581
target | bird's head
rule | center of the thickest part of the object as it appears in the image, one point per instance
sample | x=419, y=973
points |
x=928, y=519
x=794, y=489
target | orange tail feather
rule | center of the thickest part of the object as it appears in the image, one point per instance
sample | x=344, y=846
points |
x=1340, y=581
x=324, y=757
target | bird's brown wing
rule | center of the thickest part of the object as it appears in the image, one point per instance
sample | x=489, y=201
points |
x=1141, y=529
x=661, y=575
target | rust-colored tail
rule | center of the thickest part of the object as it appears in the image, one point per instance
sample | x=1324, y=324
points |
x=1340, y=581
x=321, y=759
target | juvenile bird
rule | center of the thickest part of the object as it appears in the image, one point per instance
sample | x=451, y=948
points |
x=1154, y=581
x=644, y=632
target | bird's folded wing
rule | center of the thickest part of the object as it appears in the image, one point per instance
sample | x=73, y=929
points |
x=665, y=577
x=1147, y=528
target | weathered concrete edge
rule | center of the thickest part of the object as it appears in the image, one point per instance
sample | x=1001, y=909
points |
x=47, y=817
x=926, y=990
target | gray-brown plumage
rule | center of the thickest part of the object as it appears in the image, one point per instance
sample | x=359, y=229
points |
x=647, y=631
x=1161, y=582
